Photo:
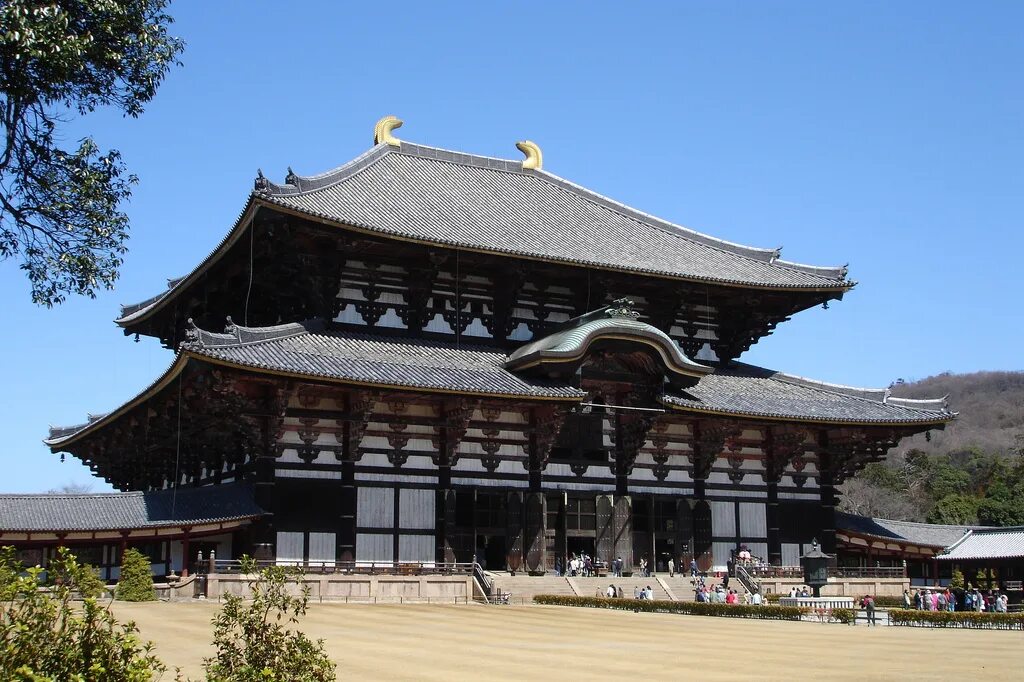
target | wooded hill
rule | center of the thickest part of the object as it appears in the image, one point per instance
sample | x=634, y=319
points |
x=971, y=472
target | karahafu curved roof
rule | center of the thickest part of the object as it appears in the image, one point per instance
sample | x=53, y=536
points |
x=570, y=344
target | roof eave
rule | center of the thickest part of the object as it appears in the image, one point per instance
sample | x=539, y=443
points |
x=806, y=419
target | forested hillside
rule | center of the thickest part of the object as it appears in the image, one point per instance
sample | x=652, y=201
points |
x=972, y=472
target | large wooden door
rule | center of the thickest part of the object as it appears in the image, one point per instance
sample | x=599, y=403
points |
x=702, y=534
x=684, y=535
x=535, y=542
x=446, y=527
x=514, y=531
x=605, y=541
x=623, y=526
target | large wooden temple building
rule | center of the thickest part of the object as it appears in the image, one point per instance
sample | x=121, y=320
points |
x=430, y=356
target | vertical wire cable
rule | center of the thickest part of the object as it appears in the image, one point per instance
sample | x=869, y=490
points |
x=248, y=292
x=177, y=454
x=458, y=301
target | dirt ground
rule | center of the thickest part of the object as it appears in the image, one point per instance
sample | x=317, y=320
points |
x=429, y=642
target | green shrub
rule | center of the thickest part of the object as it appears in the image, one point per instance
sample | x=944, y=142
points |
x=844, y=616
x=44, y=638
x=136, y=581
x=764, y=612
x=252, y=643
x=957, y=582
x=957, y=619
x=89, y=583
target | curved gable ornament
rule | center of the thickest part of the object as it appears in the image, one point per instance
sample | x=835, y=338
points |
x=534, y=158
x=382, y=131
x=567, y=347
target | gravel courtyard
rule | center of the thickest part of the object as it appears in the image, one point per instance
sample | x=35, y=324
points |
x=410, y=642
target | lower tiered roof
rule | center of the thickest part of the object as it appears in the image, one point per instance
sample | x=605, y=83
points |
x=128, y=511
x=311, y=351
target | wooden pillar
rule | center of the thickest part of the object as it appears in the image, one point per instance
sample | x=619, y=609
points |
x=827, y=492
x=184, y=552
x=264, y=494
x=773, y=466
x=124, y=546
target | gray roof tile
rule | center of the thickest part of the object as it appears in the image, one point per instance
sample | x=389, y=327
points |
x=365, y=358
x=757, y=392
x=988, y=543
x=457, y=199
x=122, y=511
x=927, y=534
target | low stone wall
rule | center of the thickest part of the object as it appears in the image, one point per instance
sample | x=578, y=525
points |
x=842, y=587
x=364, y=588
x=816, y=603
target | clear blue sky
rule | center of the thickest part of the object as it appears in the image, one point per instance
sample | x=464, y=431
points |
x=887, y=135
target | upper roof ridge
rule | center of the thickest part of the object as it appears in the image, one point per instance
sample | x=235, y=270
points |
x=301, y=184
x=239, y=335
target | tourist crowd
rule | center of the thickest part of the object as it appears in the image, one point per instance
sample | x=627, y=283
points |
x=971, y=599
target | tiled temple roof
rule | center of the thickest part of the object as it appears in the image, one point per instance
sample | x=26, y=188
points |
x=926, y=534
x=308, y=350
x=746, y=390
x=456, y=199
x=449, y=198
x=987, y=543
x=124, y=511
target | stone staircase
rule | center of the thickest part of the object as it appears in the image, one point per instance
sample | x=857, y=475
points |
x=682, y=588
x=523, y=587
x=590, y=586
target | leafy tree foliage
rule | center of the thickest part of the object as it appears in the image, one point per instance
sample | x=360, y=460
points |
x=59, y=208
x=972, y=473
x=136, y=581
x=252, y=639
x=43, y=638
x=954, y=510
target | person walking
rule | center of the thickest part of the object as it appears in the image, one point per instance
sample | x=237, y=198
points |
x=671, y=568
x=693, y=568
x=869, y=605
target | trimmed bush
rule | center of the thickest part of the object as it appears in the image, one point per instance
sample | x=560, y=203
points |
x=764, y=612
x=136, y=581
x=844, y=616
x=89, y=583
x=957, y=619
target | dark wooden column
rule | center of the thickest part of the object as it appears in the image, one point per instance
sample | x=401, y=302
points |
x=781, y=444
x=546, y=423
x=455, y=416
x=264, y=474
x=827, y=479
x=358, y=410
x=709, y=436
x=186, y=532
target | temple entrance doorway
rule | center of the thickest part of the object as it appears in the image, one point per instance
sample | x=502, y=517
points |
x=490, y=552
x=664, y=549
x=580, y=545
